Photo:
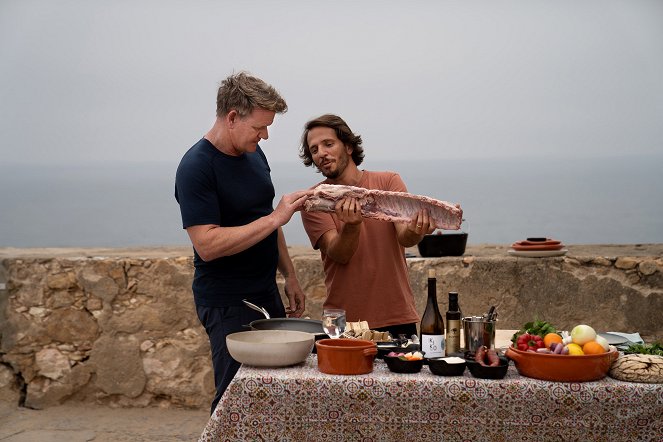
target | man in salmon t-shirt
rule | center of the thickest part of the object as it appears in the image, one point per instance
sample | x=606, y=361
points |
x=363, y=258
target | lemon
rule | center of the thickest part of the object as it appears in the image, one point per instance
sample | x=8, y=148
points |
x=575, y=349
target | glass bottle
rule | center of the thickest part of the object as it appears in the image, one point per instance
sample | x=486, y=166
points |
x=452, y=337
x=431, y=330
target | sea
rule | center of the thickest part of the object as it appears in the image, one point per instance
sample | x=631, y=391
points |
x=604, y=200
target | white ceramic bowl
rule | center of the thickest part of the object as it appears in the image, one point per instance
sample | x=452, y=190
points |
x=270, y=348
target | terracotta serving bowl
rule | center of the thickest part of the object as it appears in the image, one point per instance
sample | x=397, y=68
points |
x=562, y=368
x=270, y=348
x=345, y=356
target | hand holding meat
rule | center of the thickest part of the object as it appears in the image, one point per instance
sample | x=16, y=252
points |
x=348, y=211
x=422, y=223
x=289, y=204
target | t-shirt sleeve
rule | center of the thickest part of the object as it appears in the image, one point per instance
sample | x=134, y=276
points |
x=317, y=224
x=196, y=194
x=395, y=183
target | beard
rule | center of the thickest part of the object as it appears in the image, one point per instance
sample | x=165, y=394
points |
x=332, y=174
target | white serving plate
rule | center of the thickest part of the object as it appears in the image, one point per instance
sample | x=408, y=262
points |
x=614, y=339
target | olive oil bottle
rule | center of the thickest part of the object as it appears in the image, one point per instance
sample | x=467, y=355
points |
x=431, y=330
x=452, y=337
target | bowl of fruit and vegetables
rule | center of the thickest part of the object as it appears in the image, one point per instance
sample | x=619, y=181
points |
x=539, y=351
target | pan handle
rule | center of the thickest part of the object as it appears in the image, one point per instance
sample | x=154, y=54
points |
x=256, y=308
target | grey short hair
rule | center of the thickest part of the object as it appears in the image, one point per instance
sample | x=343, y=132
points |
x=244, y=92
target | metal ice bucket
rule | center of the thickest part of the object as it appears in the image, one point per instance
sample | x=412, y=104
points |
x=478, y=331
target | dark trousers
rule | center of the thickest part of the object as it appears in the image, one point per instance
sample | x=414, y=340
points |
x=222, y=321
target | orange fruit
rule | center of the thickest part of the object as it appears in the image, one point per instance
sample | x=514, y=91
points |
x=550, y=338
x=592, y=348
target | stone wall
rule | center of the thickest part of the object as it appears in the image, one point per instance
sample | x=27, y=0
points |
x=120, y=328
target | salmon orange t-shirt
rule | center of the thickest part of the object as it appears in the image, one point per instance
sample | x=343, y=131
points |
x=373, y=286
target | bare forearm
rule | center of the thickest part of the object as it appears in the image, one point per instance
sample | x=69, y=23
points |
x=343, y=245
x=294, y=293
x=212, y=242
x=285, y=265
x=407, y=238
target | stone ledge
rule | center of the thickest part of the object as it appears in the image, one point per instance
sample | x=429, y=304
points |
x=495, y=250
x=118, y=327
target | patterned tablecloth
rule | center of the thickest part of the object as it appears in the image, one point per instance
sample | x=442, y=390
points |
x=301, y=404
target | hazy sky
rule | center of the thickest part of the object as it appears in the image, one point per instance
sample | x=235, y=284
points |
x=100, y=81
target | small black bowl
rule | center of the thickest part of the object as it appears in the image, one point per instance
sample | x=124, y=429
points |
x=441, y=367
x=398, y=365
x=479, y=371
x=385, y=349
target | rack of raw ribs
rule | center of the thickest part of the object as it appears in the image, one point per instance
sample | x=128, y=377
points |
x=386, y=205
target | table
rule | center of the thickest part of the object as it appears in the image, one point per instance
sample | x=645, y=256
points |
x=299, y=403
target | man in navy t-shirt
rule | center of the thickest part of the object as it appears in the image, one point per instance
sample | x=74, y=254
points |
x=225, y=193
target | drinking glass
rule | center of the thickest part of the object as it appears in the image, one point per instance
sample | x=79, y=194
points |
x=333, y=322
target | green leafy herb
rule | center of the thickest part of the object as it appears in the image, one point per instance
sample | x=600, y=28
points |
x=645, y=349
x=538, y=327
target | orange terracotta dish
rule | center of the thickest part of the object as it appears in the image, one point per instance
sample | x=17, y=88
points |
x=346, y=356
x=562, y=368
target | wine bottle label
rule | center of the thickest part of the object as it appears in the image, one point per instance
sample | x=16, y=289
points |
x=432, y=345
x=453, y=336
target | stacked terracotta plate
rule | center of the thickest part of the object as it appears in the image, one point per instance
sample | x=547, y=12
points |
x=537, y=248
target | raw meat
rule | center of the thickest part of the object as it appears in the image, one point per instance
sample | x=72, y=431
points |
x=386, y=205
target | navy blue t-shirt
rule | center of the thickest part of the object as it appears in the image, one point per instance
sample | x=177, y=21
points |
x=214, y=188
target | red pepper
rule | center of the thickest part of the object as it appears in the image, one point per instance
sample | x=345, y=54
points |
x=521, y=342
x=529, y=342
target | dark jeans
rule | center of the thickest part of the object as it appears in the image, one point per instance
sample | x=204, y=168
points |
x=401, y=329
x=222, y=321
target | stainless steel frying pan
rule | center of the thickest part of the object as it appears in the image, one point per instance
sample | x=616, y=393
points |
x=297, y=324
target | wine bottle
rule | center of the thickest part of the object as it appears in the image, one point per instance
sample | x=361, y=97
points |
x=431, y=330
x=452, y=338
